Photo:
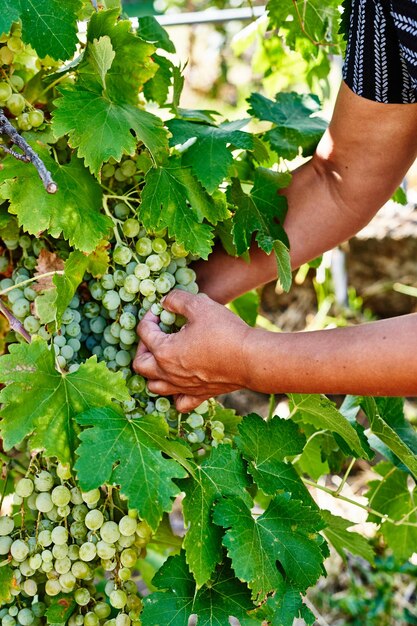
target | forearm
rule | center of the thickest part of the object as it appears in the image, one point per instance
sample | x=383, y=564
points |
x=378, y=358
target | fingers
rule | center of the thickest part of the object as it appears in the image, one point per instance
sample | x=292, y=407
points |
x=145, y=364
x=185, y=404
x=149, y=331
x=162, y=388
x=184, y=303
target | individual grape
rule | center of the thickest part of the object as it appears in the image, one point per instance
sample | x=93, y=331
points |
x=119, y=277
x=127, y=321
x=136, y=384
x=44, y=503
x=123, y=620
x=60, y=551
x=165, y=258
x=119, y=176
x=19, y=550
x=202, y=408
x=102, y=610
x=17, y=500
x=143, y=246
x=5, y=543
x=24, y=488
x=167, y=317
x=118, y=599
x=52, y=587
x=128, y=557
x=94, y=519
x=131, y=227
x=13, y=610
x=73, y=329
x=91, y=619
x=67, y=582
x=62, y=566
x=25, y=617
x=88, y=551
x=127, y=526
x=91, y=497
x=109, y=353
x=142, y=271
x=77, y=499
x=23, y=121
x=147, y=287
x=31, y=324
x=35, y=561
x=109, y=338
x=36, y=118
x=131, y=284
x=107, y=171
x=97, y=291
x=164, y=327
x=60, y=535
x=73, y=552
x=128, y=337
x=61, y=496
x=162, y=405
x=163, y=284
x=44, y=333
x=98, y=324
x=5, y=91
x=122, y=255
x=125, y=296
x=105, y=550
x=47, y=556
x=6, y=283
x=178, y=250
x=111, y=299
x=123, y=358
x=91, y=309
x=18, y=83
x=128, y=168
x=154, y=262
x=8, y=620
x=21, y=307
x=159, y=245
x=109, y=532
x=11, y=244
x=6, y=56
x=30, y=588
x=195, y=421
x=107, y=281
x=61, y=361
x=6, y=525
x=80, y=570
x=15, y=44
x=82, y=596
x=185, y=276
x=16, y=104
x=75, y=344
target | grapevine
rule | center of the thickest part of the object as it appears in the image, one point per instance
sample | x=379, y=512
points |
x=116, y=508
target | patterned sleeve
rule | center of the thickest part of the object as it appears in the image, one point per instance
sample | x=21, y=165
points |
x=381, y=56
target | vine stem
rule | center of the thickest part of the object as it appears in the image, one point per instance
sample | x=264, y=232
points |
x=368, y=509
x=345, y=477
x=14, y=322
x=29, y=155
x=31, y=280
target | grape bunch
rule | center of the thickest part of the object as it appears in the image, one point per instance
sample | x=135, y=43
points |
x=62, y=539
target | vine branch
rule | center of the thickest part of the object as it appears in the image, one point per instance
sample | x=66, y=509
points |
x=14, y=322
x=28, y=156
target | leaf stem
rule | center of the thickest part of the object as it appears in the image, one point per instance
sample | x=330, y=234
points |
x=3, y=491
x=271, y=407
x=29, y=155
x=345, y=477
x=30, y=280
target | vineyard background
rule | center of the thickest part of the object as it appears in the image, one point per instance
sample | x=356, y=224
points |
x=368, y=582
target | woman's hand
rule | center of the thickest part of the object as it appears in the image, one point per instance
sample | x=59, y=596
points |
x=204, y=359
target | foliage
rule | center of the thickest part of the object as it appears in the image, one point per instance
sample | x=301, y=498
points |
x=139, y=198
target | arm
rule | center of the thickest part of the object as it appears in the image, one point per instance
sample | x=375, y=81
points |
x=360, y=161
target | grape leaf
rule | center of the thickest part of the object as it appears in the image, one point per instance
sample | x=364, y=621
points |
x=73, y=211
x=40, y=403
x=9, y=13
x=224, y=597
x=100, y=56
x=388, y=423
x=100, y=128
x=323, y=414
x=247, y=307
x=312, y=460
x=265, y=445
x=60, y=609
x=157, y=87
x=391, y=496
x=262, y=211
x=150, y=30
x=286, y=532
x=7, y=583
x=50, y=26
x=286, y=605
x=223, y=473
x=129, y=453
x=343, y=540
x=173, y=198
x=209, y=156
x=294, y=128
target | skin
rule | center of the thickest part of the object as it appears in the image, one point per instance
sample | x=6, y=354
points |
x=360, y=161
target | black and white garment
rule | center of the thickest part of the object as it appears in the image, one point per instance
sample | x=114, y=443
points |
x=381, y=56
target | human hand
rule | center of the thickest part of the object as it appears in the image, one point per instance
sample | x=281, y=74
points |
x=204, y=359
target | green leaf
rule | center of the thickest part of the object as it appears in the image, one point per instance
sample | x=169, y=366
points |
x=400, y=196
x=150, y=30
x=100, y=56
x=294, y=128
x=50, y=26
x=388, y=423
x=247, y=307
x=312, y=460
x=286, y=605
x=209, y=156
x=74, y=211
x=343, y=540
x=323, y=414
x=392, y=497
x=173, y=198
x=262, y=211
x=40, y=403
x=61, y=608
x=224, y=597
x=157, y=87
x=130, y=453
x=100, y=128
x=286, y=532
x=266, y=445
x=10, y=12
x=222, y=473
x=7, y=581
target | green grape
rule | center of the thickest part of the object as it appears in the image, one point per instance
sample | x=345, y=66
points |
x=61, y=496
x=75, y=344
x=159, y=245
x=13, y=610
x=109, y=338
x=119, y=277
x=44, y=503
x=122, y=255
x=127, y=526
x=35, y=561
x=195, y=421
x=147, y=287
x=8, y=620
x=62, y=566
x=52, y=587
x=185, y=276
x=105, y=550
x=82, y=596
x=131, y=284
x=165, y=258
x=15, y=44
x=77, y=499
x=80, y=570
x=162, y=405
x=142, y=271
x=21, y=307
x=202, y=408
x=91, y=309
x=115, y=330
x=24, y=488
x=23, y=121
x=123, y=620
x=97, y=291
x=61, y=362
x=131, y=227
x=5, y=91
x=107, y=281
x=91, y=619
x=73, y=329
x=123, y=358
x=94, y=519
x=67, y=582
x=19, y=550
x=88, y=551
x=143, y=246
x=47, y=556
x=125, y=573
x=154, y=262
x=118, y=599
x=127, y=321
x=6, y=525
x=17, y=82
x=6, y=56
x=167, y=317
x=126, y=296
x=36, y=118
x=31, y=324
x=109, y=532
x=111, y=300
x=73, y=552
x=128, y=168
x=98, y=324
x=128, y=337
x=125, y=542
x=128, y=557
x=30, y=588
x=5, y=543
x=163, y=284
x=119, y=176
x=107, y=171
x=16, y=104
x=102, y=610
x=109, y=353
x=136, y=384
x=178, y=250
x=60, y=535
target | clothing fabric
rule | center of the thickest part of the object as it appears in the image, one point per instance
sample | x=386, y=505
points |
x=381, y=55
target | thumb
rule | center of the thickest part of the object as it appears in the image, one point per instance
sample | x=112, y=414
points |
x=184, y=303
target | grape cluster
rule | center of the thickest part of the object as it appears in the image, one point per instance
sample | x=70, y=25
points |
x=63, y=538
